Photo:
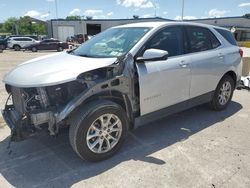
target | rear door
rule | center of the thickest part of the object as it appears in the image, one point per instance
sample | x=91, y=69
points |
x=19, y=41
x=26, y=41
x=165, y=83
x=207, y=60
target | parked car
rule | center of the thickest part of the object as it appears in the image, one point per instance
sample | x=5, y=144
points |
x=48, y=44
x=18, y=43
x=80, y=38
x=3, y=43
x=1, y=48
x=120, y=79
x=35, y=37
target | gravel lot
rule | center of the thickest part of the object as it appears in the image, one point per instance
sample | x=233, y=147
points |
x=194, y=148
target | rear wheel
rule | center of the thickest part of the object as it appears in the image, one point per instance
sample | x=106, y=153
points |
x=223, y=93
x=98, y=130
x=1, y=48
x=34, y=49
x=17, y=47
x=60, y=49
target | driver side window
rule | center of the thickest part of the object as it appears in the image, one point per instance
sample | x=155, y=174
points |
x=169, y=39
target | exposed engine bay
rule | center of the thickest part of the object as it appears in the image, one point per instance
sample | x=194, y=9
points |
x=30, y=109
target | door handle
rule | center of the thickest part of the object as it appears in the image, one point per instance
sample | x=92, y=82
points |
x=183, y=64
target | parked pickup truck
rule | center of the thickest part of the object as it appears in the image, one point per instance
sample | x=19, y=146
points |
x=122, y=78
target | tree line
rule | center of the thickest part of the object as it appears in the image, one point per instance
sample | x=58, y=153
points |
x=23, y=26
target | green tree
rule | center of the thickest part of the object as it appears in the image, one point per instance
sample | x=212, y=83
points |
x=23, y=26
x=10, y=25
x=73, y=17
x=1, y=28
x=247, y=15
x=38, y=28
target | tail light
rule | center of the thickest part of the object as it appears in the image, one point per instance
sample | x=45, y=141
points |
x=241, y=52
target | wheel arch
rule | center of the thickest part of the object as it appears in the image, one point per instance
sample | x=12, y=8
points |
x=232, y=74
x=111, y=95
x=16, y=45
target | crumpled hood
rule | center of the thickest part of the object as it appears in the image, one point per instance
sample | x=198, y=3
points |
x=53, y=69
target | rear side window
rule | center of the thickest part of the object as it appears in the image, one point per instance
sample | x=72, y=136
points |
x=199, y=39
x=169, y=39
x=47, y=41
x=26, y=39
x=228, y=36
x=215, y=42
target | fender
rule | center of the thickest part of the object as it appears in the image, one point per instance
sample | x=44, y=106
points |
x=119, y=84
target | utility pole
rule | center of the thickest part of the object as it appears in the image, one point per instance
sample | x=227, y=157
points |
x=82, y=21
x=155, y=9
x=56, y=9
x=182, y=12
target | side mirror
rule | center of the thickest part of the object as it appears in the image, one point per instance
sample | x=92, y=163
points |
x=153, y=55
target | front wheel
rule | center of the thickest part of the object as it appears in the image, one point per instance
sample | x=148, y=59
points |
x=60, y=49
x=17, y=48
x=223, y=93
x=98, y=130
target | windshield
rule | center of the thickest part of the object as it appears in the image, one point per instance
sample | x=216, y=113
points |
x=113, y=42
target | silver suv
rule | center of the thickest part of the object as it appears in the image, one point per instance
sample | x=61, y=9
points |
x=120, y=79
x=17, y=43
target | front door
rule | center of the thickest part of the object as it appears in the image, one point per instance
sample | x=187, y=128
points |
x=165, y=83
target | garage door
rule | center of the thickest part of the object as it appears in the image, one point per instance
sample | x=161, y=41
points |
x=64, y=32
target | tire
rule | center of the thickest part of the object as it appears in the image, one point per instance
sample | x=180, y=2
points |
x=223, y=93
x=2, y=47
x=60, y=49
x=17, y=47
x=87, y=122
x=34, y=49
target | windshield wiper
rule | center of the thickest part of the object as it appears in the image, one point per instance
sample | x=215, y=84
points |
x=85, y=55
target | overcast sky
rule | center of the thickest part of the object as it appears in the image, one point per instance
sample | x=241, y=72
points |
x=45, y=9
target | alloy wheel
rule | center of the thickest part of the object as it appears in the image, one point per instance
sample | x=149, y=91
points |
x=104, y=133
x=225, y=93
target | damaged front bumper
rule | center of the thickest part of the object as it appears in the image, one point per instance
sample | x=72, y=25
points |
x=23, y=127
x=17, y=124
